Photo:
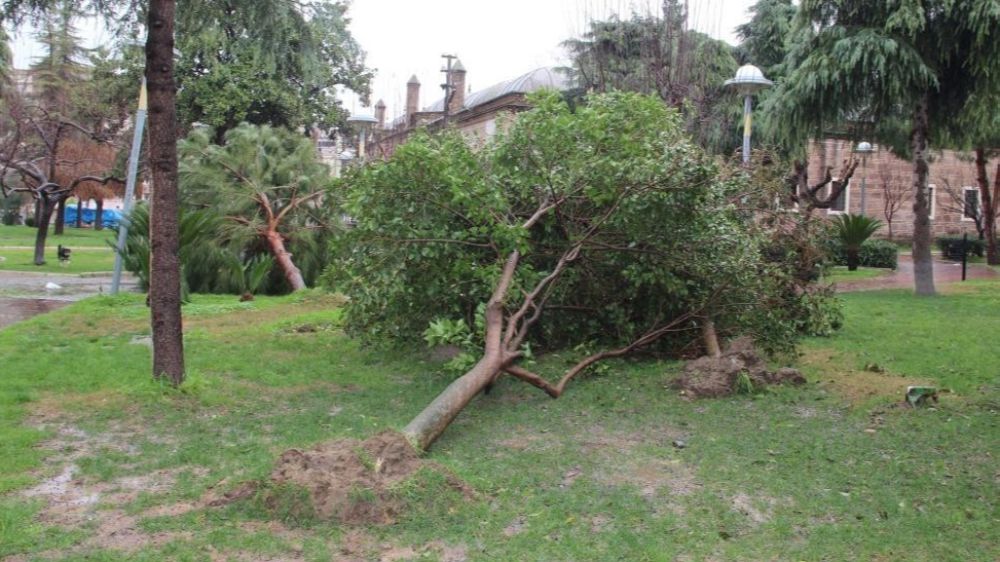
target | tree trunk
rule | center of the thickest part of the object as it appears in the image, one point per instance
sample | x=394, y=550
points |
x=99, y=215
x=989, y=210
x=38, y=212
x=435, y=418
x=888, y=225
x=165, y=265
x=60, y=217
x=79, y=212
x=284, y=260
x=44, y=215
x=710, y=338
x=923, y=261
x=853, y=259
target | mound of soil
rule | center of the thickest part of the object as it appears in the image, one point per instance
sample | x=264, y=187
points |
x=351, y=480
x=709, y=377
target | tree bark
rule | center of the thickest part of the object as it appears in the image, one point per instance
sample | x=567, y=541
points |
x=99, y=215
x=853, y=259
x=989, y=209
x=79, y=212
x=284, y=260
x=43, y=216
x=923, y=261
x=435, y=418
x=60, y=217
x=165, y=266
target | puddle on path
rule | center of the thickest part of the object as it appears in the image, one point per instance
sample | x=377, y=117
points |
x=14, y=309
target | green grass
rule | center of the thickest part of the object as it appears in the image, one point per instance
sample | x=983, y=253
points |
x=840, y=274
x=791, y=474
x=73, y=237
x=90, y=250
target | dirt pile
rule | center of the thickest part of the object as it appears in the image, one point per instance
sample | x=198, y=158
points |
x=352, y=481
x=739, y=364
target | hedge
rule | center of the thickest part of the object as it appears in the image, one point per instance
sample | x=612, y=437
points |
x=951, y=247
x=874, y=253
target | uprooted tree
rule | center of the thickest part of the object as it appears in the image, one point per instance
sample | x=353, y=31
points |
x=602, y=229
x=265, y=182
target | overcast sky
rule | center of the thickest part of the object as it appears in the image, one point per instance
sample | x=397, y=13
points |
x=496, y=40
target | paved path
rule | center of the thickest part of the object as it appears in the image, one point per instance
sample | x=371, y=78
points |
x=945, y=272
x=23, y=294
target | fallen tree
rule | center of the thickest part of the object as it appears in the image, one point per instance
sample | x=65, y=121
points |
x=601, y=229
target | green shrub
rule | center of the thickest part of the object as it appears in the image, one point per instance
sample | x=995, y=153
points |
x=951, y=247
x=852, y=232
x=873, y=253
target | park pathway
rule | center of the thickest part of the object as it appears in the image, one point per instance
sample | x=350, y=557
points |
x=24, y=294
x=945, y=273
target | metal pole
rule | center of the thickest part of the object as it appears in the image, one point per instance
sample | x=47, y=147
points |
x=133, y=169
x=864, y=183
x=361, y=143
x=965, y=253
x=747, y=124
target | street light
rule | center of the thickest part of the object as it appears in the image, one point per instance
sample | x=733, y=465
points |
x=864, y=149
x=364, y=123
x=748, y=80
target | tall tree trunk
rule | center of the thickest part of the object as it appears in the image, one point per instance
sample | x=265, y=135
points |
x=165, y=265
x=79, y=212
x=60, y=217
x=284, y=260
x=99, y=215
x=38, y=212
x=989, y=209
x=44, y=216
x=923, y=261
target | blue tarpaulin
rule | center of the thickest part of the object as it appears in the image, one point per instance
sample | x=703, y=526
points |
x=109, y=218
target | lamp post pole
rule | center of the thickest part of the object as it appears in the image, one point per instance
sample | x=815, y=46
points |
x=864, y=148
x=133, y=169
x=748, y=80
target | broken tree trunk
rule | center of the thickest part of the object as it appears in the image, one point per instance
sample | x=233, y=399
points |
x=284, y=259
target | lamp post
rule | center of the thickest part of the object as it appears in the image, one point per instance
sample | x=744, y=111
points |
x=133, y=168
x=364, y=123
x=864, y=149
x=748, y=81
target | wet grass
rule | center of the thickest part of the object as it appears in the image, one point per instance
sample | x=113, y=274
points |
x=840, y=274
x=807, y=473
x=90, y=250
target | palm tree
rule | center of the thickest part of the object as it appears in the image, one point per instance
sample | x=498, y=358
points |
x=265, y=182
x=853, y=231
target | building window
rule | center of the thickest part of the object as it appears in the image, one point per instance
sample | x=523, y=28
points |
x=970, y=207
x=841, y=204
x=930, y=198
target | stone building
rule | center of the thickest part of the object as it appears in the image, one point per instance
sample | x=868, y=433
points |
x=883, y=185
x=478, y=114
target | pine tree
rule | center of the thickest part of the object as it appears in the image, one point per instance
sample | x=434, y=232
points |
x=875, y=62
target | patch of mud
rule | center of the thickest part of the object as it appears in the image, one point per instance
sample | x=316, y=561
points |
x=857, y=386
x=600, y=523
x=711, y=377
x=516, y=527
x=351, y=480
x=746, y=505
x=653, y=477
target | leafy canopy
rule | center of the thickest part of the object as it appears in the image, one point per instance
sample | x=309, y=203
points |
x=653, y=217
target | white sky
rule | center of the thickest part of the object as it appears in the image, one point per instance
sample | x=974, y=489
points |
x=496, y=39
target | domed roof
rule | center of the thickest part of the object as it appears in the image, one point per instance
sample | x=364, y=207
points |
x=538, y=79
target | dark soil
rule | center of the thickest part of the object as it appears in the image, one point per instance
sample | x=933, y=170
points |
x=351, y=480
x=710, y=377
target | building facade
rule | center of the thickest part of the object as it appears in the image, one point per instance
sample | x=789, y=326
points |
x=882, y=187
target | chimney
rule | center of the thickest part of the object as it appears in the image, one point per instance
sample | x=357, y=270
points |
x=412, y=100
x=458, y=83
x=380, y=114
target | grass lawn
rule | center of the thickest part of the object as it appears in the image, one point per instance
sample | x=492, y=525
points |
x=90, y=251
x=829, y=471
x=840, y=274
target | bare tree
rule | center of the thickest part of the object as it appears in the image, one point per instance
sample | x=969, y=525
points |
x=895, y=192
x=956, y=202
x=812, y=195
x=44, y=155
